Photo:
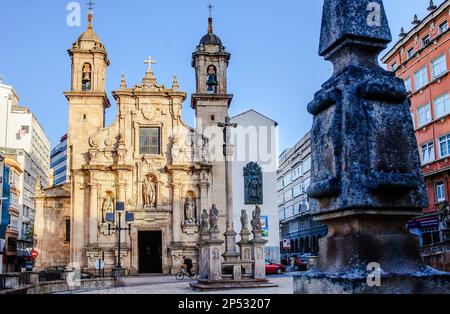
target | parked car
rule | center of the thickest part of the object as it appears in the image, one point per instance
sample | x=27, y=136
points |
x=301, y=262
x=274, y=268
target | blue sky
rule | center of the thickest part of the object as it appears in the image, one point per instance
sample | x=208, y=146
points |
x=274, y=69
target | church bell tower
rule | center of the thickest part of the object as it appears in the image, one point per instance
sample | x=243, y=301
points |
x=87, y=97
x=210, y=61
x=87, y=103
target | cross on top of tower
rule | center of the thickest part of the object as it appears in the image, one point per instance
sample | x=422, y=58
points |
x=149, y=61
x=90, y=5
x=210, y=7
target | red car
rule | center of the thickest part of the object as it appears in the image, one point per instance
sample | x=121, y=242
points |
x=274, y=268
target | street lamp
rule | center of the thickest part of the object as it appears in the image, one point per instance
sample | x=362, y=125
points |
x=129, y=218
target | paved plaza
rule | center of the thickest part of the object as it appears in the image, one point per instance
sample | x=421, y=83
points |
x=169, y=285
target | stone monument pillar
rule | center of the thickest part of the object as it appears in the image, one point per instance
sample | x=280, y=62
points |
x=230, y=255
x=258, y=244
x=366, y=176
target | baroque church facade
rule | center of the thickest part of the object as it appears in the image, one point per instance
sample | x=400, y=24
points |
x=148, y=162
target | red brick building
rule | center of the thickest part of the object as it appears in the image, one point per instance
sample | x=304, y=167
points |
x=421, y=58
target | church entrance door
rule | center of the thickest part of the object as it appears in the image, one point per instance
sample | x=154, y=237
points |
x=150, y=252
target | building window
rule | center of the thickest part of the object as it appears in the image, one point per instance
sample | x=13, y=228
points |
x=408, y=84
x=430, y=236
x=67, y=235
x=394, y=66
x=287, y=179
x=426, y=41
x=421, y=77
x=280, y=185
x=288, y=195
x=440, y=192
x=297, y=190
x=424, y=115
x=149, y=141
x=427, y=153
x=443, y=27
x=296, y=173
x=444, y=146
x=442, y=105
x=306, y=166
x=438, y=66
x=412, y=118
x=410, y=53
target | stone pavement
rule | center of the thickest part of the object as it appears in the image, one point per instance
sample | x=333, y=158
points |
x=169, y=285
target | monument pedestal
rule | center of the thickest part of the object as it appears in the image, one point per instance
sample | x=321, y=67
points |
x=258, y=244
x=210, y=267
x=245, y=249
x=354, y=243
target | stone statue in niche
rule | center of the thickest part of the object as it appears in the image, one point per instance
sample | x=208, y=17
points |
x=213, y=216
x=190, y=209
x=204, y=226
x=107, y=205
x=149, y=192
x=253, y=184
x=244, y=220
x=256, y=220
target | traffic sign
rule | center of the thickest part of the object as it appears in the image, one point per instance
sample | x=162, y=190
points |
x=34, y=254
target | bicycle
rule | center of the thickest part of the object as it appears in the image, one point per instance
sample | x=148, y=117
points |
x=184, y=273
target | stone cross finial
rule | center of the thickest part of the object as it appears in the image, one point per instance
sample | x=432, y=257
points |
x=149, y=61
x=356, y=21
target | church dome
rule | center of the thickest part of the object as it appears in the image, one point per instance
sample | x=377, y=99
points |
x=89, y=35
x=211, y=39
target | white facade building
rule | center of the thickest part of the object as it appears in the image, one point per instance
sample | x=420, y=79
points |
x=23, y=139
x=256, y=140
x=19, y=129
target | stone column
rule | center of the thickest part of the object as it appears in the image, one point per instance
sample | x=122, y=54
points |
x=93, y=214
x=366, y=179
x=176, y=213
x=203, y=195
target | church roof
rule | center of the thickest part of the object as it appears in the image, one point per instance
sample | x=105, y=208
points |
x=89, y=35
x=211, y=39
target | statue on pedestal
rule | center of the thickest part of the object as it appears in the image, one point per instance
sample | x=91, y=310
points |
x=204, y=226
x=213, y=217
x=256, y=220
x=244, y=220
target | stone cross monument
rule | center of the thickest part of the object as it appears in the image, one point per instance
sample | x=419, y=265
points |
x=366, y=176
x=230, y=255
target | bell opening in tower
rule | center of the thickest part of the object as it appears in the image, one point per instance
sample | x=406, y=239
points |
x=211, y=81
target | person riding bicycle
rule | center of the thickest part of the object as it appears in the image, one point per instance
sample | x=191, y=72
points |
x=187, y=262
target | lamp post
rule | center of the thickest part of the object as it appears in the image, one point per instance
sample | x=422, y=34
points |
x=110, y=218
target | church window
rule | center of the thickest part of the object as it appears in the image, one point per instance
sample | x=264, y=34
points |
x=67, y=235
x=149, y=141
x=213, y=117
x=86, y=82
x=211, y=80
